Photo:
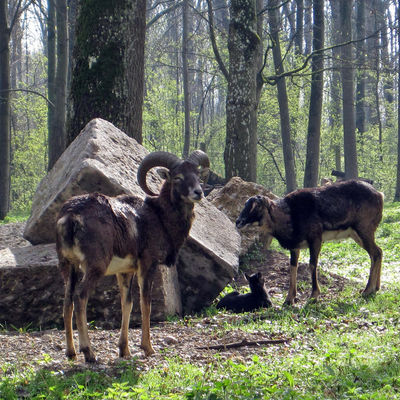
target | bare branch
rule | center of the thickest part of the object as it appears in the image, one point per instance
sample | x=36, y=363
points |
x=244, y=342
x=214, y=42
x=29, y=91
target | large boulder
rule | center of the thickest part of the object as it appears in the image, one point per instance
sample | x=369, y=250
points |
x=231, y=199
x=104, y=159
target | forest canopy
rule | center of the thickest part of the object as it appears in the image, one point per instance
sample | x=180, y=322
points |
x=278, y=92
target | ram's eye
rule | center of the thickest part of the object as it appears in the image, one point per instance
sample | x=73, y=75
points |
x=178, y=178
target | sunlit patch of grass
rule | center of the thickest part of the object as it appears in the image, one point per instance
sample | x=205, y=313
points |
x=15, y=217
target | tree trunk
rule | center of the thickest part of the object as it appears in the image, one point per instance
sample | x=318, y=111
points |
x=108, y=72
x=347, y=74
x=51, y=76
x=307, y=26
x=298, y=41
x=185, y=77
x=361, y=76
x=314, y=119
x=4, y=111
x=240, y=154
x=290, y=173
x=397, y=192
x=57, y=135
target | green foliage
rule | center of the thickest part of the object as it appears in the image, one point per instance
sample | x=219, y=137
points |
x=28, y=144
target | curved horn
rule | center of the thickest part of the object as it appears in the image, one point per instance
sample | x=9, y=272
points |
x=155, y=159
x=198, y=157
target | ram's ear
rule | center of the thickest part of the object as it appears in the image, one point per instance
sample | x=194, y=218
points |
x=164, y=173
x=204, y=174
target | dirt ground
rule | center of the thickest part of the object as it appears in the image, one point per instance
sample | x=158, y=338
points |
x=187, y=338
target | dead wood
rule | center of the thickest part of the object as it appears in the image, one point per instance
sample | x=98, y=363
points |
x=244, y=342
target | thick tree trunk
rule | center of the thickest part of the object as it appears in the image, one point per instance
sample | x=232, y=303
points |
x=241, y=104
x=347, y=74
x=290, y=173
x=108, y=72
x=4, y=111
x=185, y=77
x=314, y=118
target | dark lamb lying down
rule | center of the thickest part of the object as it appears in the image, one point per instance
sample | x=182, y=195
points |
x=258, y=297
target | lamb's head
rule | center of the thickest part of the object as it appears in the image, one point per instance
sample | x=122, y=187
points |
x=256, y=281
x=256, y=210
x=183, y=177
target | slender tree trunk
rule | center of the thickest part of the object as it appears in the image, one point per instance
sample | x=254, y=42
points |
x=314, y=119
x=335, y=114
x=298, y=41
x=185, y=77
x=4, y=111
x=307, y=26
x=361, y=76
x=240, y=154
x=51, y=65
x=397, y=192
x=347, y=74
x=290, y=173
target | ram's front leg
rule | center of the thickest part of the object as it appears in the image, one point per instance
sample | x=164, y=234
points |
x=125, y=288
x=292, y=292
x=145, y=280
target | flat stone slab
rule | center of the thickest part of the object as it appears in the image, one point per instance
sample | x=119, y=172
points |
x=32, y=292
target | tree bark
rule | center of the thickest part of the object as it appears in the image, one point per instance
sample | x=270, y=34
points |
x=185, y=77
x=108, y=72
x=361, y=76
x=315, y=111
x=347, y=75
x=4, y=110
x=290, y=173
x=57, y=135
x=397, y=192
x=298, y=41
x=240, y=153
x=51, y=74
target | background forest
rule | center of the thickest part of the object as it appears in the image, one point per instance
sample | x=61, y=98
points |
x=278, y=92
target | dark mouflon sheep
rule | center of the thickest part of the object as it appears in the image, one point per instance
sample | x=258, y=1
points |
x=124, y=236
x=307, y=217
x=257, y=298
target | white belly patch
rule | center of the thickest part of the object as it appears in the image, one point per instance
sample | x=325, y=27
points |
x=121, y=265
x=335, y=235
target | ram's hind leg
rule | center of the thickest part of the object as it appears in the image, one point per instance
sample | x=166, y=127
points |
x=125, y=288
x=375, y=254
x=315, y=248
x=70, y=277
x=145, y=279
x=81, y=298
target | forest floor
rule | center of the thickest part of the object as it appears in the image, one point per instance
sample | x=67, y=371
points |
x=187, y=338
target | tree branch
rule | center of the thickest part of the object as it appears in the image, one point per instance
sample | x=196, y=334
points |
x=162, y=13
x=29, y=91
x=213, y=41
x=244, y=342
x=272, y=79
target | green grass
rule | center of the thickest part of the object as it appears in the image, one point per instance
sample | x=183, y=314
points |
x=347, y=347
x=14, y=217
